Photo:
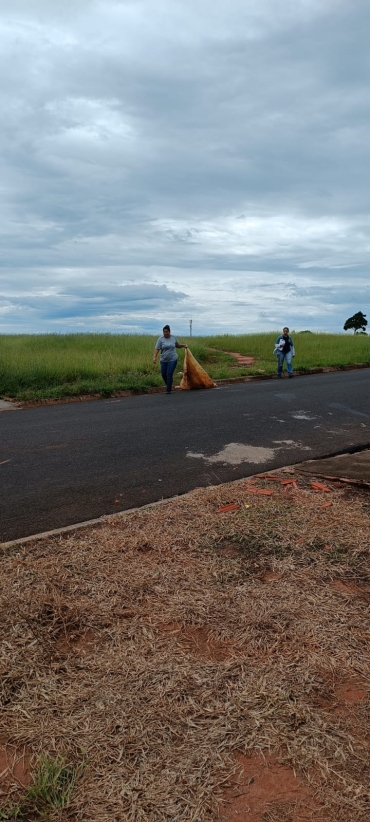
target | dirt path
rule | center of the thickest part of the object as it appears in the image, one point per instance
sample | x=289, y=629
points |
x=241, y=359
x=206, y=659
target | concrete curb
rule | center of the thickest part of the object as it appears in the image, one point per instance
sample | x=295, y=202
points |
x=9, y=405
x=105, y=518
x=297, y=373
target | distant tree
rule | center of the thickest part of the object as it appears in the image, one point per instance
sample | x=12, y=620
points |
x=356, y=322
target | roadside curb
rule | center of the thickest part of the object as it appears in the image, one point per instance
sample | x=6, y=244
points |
x=106, y=518
x=19, y=405
x=297, y=373
x=103, y=520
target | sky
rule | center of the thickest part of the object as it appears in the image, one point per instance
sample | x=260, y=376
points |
x=184, y=159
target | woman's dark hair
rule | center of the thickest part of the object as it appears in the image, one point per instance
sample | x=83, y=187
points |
x=166, y=328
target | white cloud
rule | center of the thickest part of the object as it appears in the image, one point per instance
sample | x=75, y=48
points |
x=216, y=148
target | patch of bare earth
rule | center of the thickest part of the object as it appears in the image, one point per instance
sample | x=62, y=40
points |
x=205, y=662
x=15, y=768
x=265, y=790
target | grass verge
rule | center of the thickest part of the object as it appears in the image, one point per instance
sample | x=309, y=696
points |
x=53, y=366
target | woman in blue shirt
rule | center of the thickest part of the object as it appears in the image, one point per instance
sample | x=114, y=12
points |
x=166, y=345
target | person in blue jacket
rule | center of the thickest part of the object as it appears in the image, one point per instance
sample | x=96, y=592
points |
x=166, y=345
x=284, y=350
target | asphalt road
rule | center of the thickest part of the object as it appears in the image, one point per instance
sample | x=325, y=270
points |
x=64, y=464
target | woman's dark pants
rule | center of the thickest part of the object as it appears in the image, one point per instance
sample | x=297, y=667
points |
x=167, y=371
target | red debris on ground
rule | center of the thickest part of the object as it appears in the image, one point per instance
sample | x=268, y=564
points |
x=231, y=507
x=263, y=491
x=319, y=486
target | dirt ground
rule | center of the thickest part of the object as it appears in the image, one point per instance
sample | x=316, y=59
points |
x=206, y=659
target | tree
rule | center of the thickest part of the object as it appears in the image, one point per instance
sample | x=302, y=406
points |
x=356, y=322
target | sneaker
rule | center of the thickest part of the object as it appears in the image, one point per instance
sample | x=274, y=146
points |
x=291, y=376
x=168, y=392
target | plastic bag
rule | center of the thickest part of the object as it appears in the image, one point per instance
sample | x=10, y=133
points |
x=194, y=376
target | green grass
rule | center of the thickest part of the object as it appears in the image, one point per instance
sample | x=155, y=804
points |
x=51, y=790
x=312, y=350
x=64, y=365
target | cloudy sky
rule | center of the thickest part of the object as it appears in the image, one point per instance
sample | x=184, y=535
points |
x=177, y=159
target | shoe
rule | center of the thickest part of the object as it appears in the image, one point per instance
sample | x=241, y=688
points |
x=168, y=392
x=291, y=376
x=279, y=376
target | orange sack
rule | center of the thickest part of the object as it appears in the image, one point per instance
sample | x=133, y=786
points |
x=194, y=376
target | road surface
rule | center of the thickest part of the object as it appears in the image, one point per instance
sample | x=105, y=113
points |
x=64, y=464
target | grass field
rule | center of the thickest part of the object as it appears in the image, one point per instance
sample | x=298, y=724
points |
x=35, y=367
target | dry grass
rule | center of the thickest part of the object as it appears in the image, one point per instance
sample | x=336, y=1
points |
x=155, y=647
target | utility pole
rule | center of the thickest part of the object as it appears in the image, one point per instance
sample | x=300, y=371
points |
x=191, y=327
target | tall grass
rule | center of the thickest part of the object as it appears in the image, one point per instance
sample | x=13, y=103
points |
x=56, y=365
x=60, y=365
x=312, y=350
